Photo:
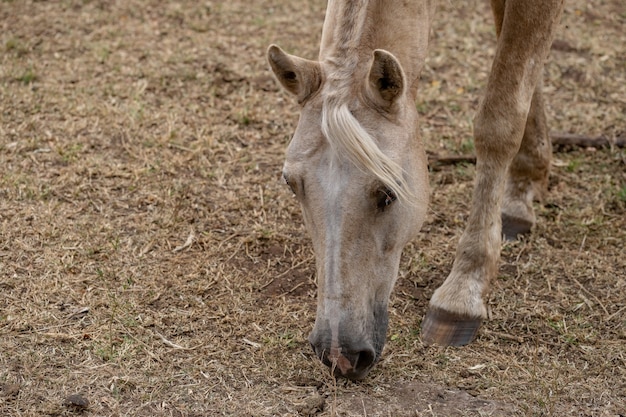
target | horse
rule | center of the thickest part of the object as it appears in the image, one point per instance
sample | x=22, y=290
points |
x=358, y=167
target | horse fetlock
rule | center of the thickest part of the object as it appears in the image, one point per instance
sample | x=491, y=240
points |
x=460, y=297
x=518, y=215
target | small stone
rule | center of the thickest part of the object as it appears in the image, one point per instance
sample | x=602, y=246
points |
x=77, y=401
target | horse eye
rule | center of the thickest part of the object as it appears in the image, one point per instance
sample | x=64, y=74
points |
x=385, y=198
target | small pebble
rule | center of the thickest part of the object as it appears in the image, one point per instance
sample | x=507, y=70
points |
x=77, y=401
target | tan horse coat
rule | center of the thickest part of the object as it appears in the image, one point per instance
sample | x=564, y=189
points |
x=357, y=165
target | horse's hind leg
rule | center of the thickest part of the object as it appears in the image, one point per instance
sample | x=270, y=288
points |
x=526, y=29
x=529, y=170
x=528, y=173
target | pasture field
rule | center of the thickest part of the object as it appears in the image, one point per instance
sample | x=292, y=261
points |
x=152, y=263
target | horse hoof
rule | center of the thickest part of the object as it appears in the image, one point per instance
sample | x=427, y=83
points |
x=514, y=227
x=448, y=329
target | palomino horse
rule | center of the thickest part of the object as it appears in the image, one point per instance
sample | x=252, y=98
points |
x=357, y=166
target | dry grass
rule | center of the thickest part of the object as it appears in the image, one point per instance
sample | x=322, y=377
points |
x=152, y=262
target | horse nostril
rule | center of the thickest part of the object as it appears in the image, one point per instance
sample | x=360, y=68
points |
x=364, y=361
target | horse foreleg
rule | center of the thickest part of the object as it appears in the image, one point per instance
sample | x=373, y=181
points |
x=525, y=32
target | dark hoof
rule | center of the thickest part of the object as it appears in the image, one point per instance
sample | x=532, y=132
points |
x=514, y=227
x=448, y=329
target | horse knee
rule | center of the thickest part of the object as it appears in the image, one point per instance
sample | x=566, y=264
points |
x=498, y=135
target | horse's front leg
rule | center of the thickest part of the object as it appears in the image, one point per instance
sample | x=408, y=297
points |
x=525, y=30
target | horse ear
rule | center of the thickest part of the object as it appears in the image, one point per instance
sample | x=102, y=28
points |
x=299, y=76
x=386, y=78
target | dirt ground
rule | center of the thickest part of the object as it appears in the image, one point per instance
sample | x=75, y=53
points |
x=152, y=263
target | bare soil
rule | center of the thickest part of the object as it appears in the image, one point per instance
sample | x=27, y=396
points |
x=152, y=263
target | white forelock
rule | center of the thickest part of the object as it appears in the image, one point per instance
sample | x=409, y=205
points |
x=348, y=137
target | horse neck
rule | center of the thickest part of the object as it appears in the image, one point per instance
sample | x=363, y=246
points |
x=353, y=29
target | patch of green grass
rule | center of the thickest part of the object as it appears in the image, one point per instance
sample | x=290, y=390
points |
x=12, y=45
x=468, y=146
x=418, y=263
x=455, y=107
x=422, y=107
x=404, y=339
x=104, y=352
x=129, y=283
x=465, y=170
x=288, y=339
x=263, y=233
x=103, y=54
x=22, y=187
x=573, y=165
x=566, y=335
x=243, y=118
x=16, y=47
x=70, y=152
x=137, y=111
x=284, y=340
x=27, y=77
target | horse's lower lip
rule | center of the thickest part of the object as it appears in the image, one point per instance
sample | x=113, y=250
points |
x=354, y=376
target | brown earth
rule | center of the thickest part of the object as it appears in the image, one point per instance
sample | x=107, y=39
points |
x=153, y=264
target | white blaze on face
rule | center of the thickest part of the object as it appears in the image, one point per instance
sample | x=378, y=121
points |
x=333, y=183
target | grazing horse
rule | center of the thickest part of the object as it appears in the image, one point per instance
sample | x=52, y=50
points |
x=358, y=168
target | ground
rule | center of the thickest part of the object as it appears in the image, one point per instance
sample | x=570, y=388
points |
x=152, y=263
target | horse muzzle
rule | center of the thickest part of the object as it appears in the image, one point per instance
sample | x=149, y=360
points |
x=349, y=353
